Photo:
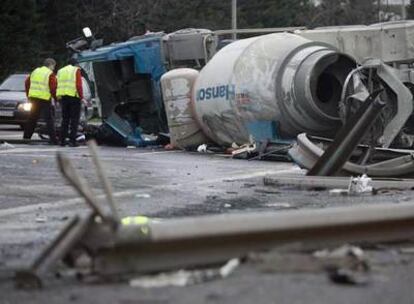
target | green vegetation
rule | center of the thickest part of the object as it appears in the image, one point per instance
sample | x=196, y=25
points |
x=34, y=29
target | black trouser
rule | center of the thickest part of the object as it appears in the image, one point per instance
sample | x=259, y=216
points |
x=44, y=108
x=71, y=107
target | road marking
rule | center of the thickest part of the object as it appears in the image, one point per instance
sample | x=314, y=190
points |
x=76, y=201
x=55, y=149
x=37, y=207
x=33, y=155
x=10, y=136
x=26, y=150
x=154, y=152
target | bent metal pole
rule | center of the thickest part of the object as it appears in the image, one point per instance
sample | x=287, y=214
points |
x=198, y=241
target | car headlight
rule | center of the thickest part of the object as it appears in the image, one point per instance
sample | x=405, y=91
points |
x=27, y=107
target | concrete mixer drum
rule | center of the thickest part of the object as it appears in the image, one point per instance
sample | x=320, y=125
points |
x=270, y=86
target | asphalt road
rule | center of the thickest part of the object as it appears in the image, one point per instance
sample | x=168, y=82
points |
x=35, y=202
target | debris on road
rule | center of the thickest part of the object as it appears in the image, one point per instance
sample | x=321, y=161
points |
x=142, y=195
x=280, y=205
x=359, y=185
x=41, y=219
x=183, y=278
x=346, y=265
x=6, y=146
x=339, y=192
x=299, y=260
x=123, y=246
x=244, y=151
x=348, y=277
x=351, y=257
x=150, y=246
x=263, y=150
x=202, y=148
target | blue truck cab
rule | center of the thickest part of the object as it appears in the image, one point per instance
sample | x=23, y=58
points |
x=126, y=77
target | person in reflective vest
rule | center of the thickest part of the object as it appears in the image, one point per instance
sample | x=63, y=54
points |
x=40, y=89
x=70, y=94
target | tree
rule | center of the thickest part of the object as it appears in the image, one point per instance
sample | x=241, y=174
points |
x=171, y=15
x=361, y=12
x=35, y=29
x=410, y=10
x=267, y=13
x=20, y=36
x=345, y=12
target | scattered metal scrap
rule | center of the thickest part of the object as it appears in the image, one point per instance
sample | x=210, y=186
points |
x=305, y=153
x=392, y=86
x=145, y=246
x=376, y=104
x=353, y=271
x=348, y=138
x=347, y=264
x=264, y=150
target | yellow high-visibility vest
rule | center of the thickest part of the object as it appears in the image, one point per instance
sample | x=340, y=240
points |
x=39, y=83
x=66, y=79
x=140, y=221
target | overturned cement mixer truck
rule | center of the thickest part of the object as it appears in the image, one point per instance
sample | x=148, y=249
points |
x=279, y=85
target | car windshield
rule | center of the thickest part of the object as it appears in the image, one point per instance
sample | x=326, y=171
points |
x=14, y=83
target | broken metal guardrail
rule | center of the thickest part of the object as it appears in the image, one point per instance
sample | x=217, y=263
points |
x=152, y=246
x=332, y=161
x=348, y=138
x=305, y=153
x=404, y=101
x=77, y=226
x=392, y=78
